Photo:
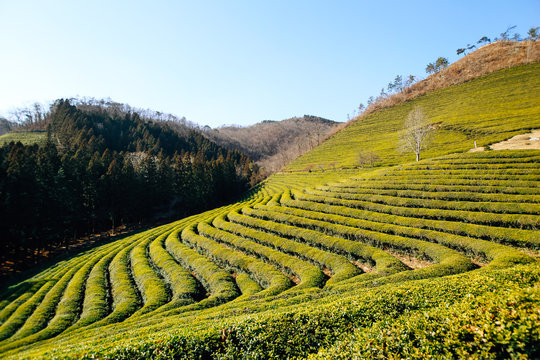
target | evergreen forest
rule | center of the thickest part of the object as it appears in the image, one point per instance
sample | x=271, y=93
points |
x=100, y=168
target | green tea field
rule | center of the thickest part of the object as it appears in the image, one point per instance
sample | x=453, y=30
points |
x=431, y=259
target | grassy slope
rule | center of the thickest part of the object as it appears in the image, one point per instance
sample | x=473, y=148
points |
x=476, y=293
x=488, y=109
x=25, y=137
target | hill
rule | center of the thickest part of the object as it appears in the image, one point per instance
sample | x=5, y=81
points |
x=96, y=168
x=273, y=144
x=487, y=59
x=488, y=109
x=437, y=258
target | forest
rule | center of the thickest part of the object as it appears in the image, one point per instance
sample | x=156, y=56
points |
x=101, y=168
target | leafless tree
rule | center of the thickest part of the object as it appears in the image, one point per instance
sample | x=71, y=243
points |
x=367, y=158
x=418, y=132
x=30, y=115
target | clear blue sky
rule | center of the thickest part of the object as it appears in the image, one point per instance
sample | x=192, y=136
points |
x=234, y=62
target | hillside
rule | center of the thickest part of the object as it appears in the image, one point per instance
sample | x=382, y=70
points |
x=96, y=169
x=295, y=260
x=273, y=144
x=431, y=259
x=487, y=59
x=488, y=109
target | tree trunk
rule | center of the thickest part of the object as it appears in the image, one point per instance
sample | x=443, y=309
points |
x=417, y=156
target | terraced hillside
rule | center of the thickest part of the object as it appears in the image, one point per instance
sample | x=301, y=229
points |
x=438, y=257
x=487, y=110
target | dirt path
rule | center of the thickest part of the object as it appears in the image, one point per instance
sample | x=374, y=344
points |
x=529, y=141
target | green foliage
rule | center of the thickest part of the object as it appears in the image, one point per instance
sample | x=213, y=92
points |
x=19, y=316
x=266, y=275
x=184, y=286
x=384, y=263
x=153, y=289
x=218, y=283
x=41, y=315
x=493, y=326
x=482, y=218
x=22, y=293
x=246, y=285
x=309, y=275
x=341, y=268
x=125, y=295
x=96, y=302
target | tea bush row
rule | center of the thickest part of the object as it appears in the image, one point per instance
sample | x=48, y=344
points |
x=487, y=207
x=309, y=275
x=339, y=265
x=266, y=275
x=516, y=237
x=384, y=263
x=437, y=195
x=509, y=220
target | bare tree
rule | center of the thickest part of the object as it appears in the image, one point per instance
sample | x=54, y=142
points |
x=505, y=36
x=367, y=158
x=418, y=132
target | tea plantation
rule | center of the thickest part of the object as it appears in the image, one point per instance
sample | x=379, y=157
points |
x=434, y=259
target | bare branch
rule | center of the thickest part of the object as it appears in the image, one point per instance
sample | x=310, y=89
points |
x=418, y=131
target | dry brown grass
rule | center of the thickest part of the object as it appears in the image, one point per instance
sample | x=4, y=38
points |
x=410, y=260
x=489, y=58
x=528, y=141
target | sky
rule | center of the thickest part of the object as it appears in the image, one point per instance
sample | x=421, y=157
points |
x=234, y=62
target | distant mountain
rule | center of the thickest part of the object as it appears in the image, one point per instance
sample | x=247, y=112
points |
x=274, y=144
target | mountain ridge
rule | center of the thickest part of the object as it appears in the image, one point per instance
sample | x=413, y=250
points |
x=272, y=144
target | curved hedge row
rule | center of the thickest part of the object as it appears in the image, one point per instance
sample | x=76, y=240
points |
x=479, y=206
x=218, y=283
x=384, y=264
x=516, y=237
x=340, y=267
x=153, y=290
x=44, y=311
x=447, y=261
x=266, y=275
x=478, y=188
x=486, y=250
x=309, y=275
x=19, y=297
x=185, y=288
x=19, y=316
x=96, y=298
x=511, y=220
x=65, y=312
x=436, y=195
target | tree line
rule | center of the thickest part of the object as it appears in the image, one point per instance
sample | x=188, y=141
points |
x=99, y=169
